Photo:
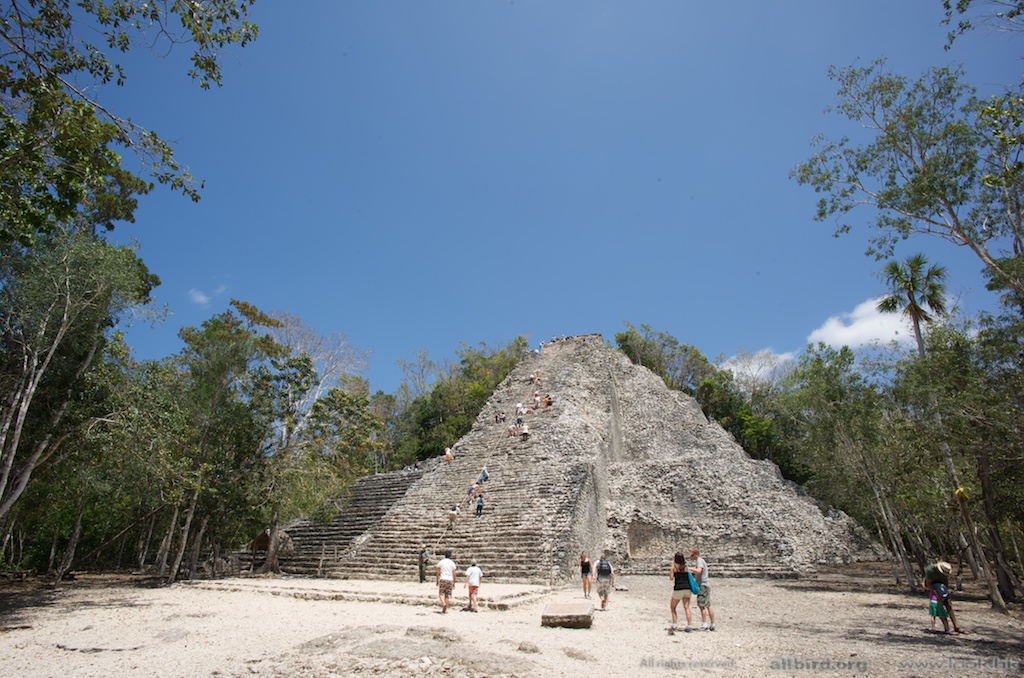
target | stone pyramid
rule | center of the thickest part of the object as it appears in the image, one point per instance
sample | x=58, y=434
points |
x=620, y=464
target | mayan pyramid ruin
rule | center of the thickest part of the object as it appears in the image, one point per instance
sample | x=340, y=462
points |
x=620, y=464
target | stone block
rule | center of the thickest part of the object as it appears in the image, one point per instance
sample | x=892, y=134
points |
x=579, y=615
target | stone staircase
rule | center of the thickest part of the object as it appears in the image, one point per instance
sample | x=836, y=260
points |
x=368, y=500
x=621, y=465
x=527, y=501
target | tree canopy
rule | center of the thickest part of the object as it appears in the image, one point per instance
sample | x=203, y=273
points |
x=937, y=162
x=60, y=149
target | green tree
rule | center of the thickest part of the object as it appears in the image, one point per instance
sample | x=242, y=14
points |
x=220, y=433
x=387, y=410
x=317, y=428
x=962, y=381
x=750, y=418
x=313, y=448
x=740, y=406
x=836, y=421
x=59, y=156
x=436, y=419
x=681, y=366
x=1001, y=15
x=912, y=286
x=56, y=303
x=928, y=169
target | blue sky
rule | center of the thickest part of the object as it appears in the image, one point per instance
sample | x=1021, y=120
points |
x=420, y=174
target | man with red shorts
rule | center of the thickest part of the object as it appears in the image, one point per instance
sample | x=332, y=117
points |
x=473, y=576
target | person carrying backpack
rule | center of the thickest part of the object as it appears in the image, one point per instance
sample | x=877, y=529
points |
x=605, y=579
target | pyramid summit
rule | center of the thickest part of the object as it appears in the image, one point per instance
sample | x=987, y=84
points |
x=619, y=463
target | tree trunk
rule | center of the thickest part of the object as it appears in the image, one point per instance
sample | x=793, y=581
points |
x=216, y=554
x=165, y=545
x=890, y=522
x=50, y=567
x=122, y=546
x=142, y=552
x=197, y=542
x=896, y=539
x=897, y=535
x=183, y=543
x=918, y=543
x=1003, y=578
x=69, y=552
x=1013, y=540
x=881, y=540
x=11, y=429
x=926, y=543
x=1007, y=579
x=119, y=535
x=993, y=589
x=965, y=546
x=10, y=531
x=273, y=545
x=20, y=542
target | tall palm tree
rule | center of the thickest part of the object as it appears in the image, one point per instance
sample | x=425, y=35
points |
x=913, y=285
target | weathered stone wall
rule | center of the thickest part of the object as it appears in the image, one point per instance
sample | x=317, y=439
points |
x=652, y=475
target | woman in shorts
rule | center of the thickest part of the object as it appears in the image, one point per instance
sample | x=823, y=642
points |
x=586, y=573
x=680, y=590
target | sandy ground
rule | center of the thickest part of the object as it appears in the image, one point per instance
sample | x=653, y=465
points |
x=832, y=624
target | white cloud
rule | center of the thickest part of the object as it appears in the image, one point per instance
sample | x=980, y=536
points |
x=764, y=360
x=762, y=367
x=199, y=297
x=863, y=326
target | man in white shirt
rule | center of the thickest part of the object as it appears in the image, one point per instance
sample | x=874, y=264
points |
x=473, y=576
x=447, y=573
x=699, y=570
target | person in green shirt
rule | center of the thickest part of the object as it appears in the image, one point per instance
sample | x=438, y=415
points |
x=936, y=578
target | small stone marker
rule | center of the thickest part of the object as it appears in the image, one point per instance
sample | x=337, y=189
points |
x=570, y=615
